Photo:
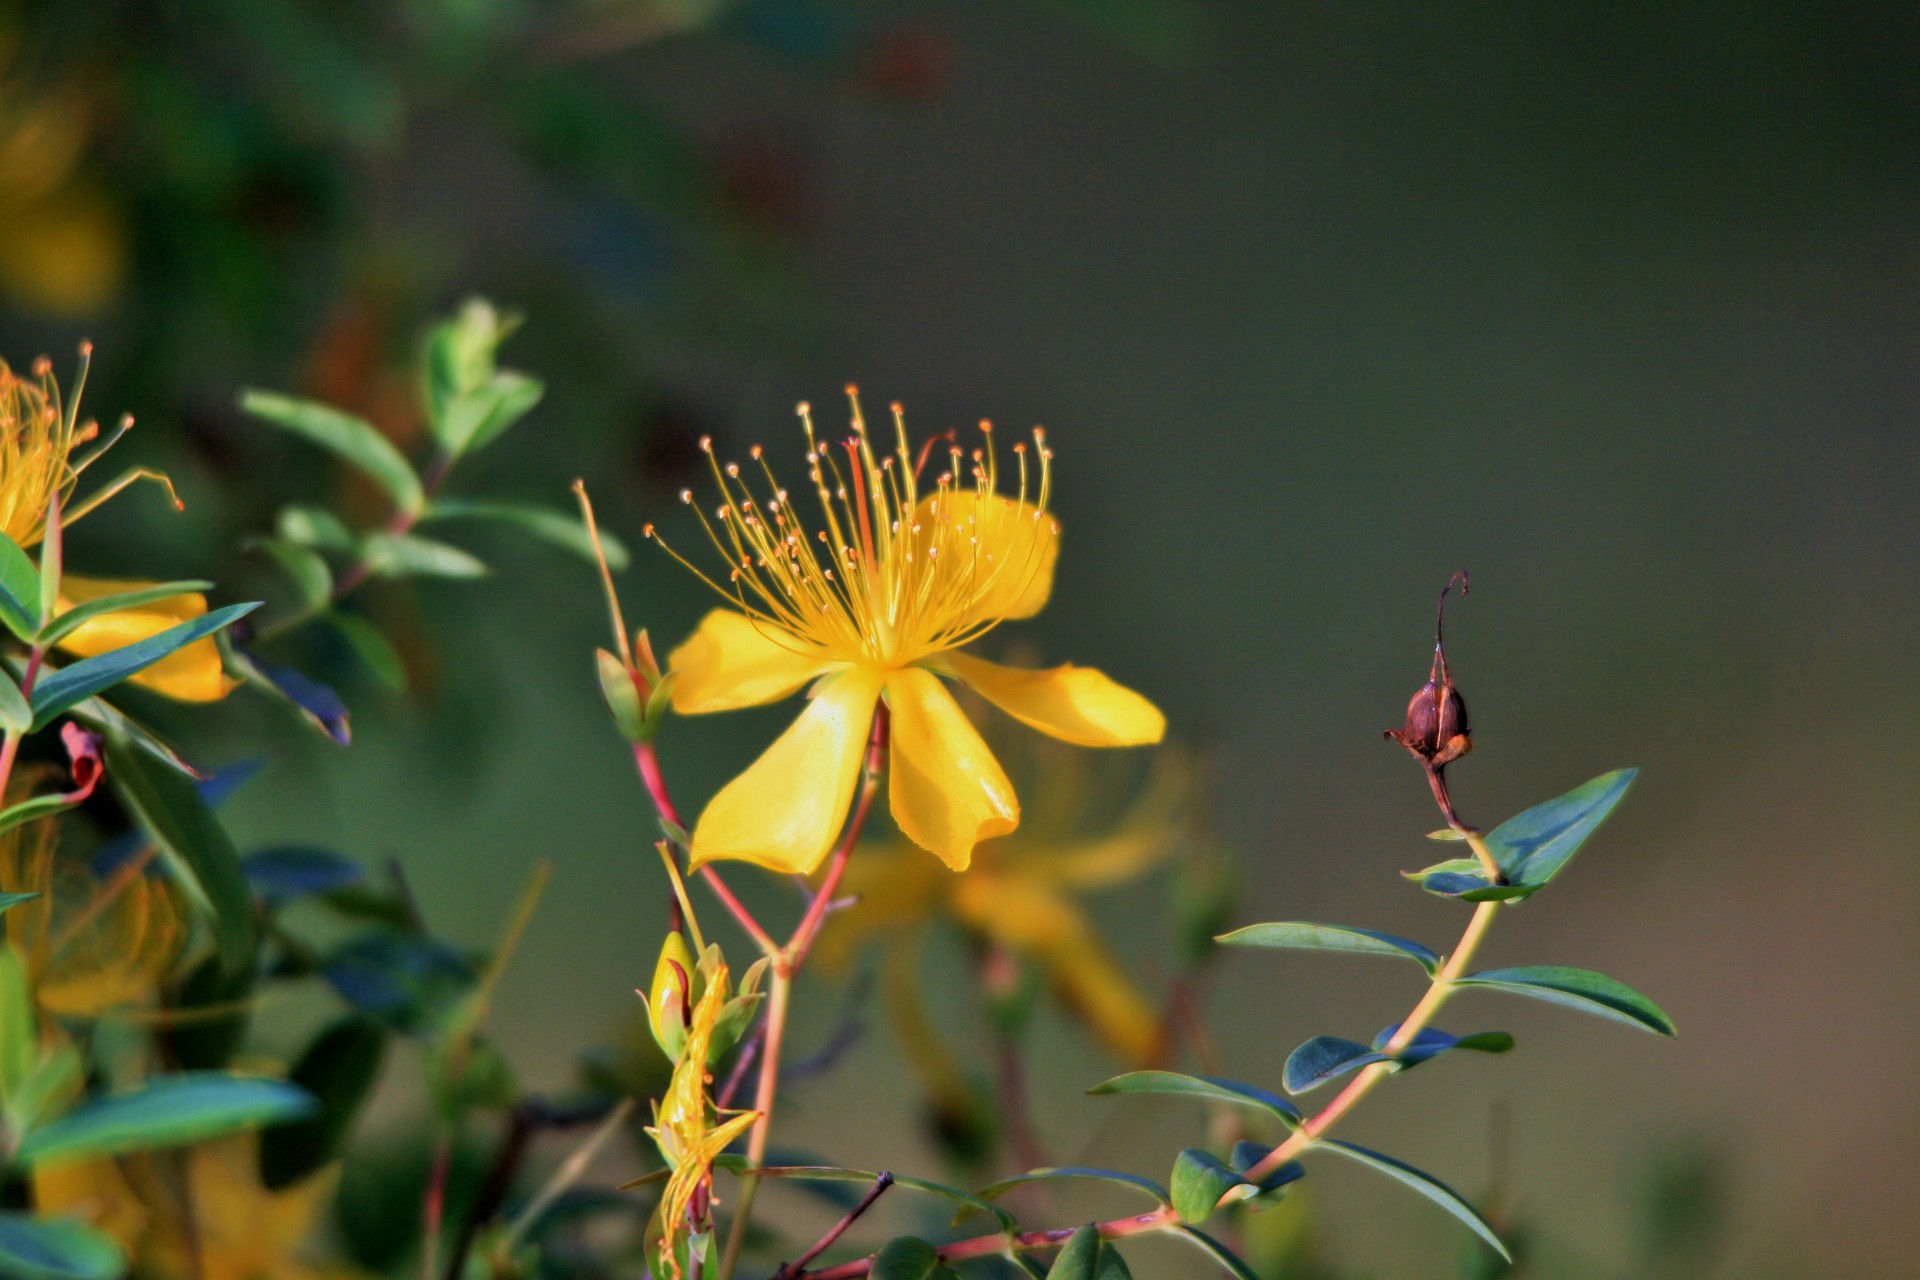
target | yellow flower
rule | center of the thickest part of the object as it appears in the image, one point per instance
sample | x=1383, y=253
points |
x=65, y=237
x=689, y=1130
x=240, y=1230
x=38, y=435
x=89, y=946
x=1020, y=894
x=873, y=600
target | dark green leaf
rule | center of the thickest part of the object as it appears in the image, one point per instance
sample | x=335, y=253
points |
x=830, y=1173
x=1199, y=1179
x=1135, y=1181
x=1228, y=1260
x=1425, y=1183
x=196, y=848
x=1322, y=1059
x=81, y=614
x=374, y=648
x=1207, y=1088
x=338, y=1069
x=412, y=984
x=314, y=527
x=1466, y=879
x=353, y=439
x=1087, y=1256
x=56, y=1249
x=19, y=590
x=168, y=1111
x=1248, y=1154
x=1299, y=936
x=1431, y=1044
x=55, y=693
x=910, y=1258
x=1532, y=847
x=408, y=555
x=560, y=528
x=1577, y=989
x=216, y=1008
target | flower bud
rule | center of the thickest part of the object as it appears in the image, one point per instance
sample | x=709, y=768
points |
x=670, y=1000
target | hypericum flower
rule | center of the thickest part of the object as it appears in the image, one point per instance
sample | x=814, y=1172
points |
x=38, y=436
x=875, y=599
x=1020, y=894
x=89, y=945
x=239, y=1230
x=690, y=1131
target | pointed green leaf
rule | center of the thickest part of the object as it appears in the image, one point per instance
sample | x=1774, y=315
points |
x=408, y=555
x=1466, y=879
x=1225, y=1257
x=196, y=848
x=483, y=416
x=168, y=1111
x=1322, y=1059
x=1207, y=1088
x=910, y=1258
x=14, y=900
x=16, y=713
x=338, y=1069
x=1297, y=935
x=1532, y=847
x=373, y=648
x=27, y=810
x=1425, y=1183
x=1431, y=1044
x=304, y=567
x=63, y=626
x=56, y=1249
x=19, y=590
x=1088, y=1256
x=562, y=529
x=57, y=691
x=354, y=439
x=314, y=527
x=1199, y=1179
x=995, y=1190
x=1581, y=989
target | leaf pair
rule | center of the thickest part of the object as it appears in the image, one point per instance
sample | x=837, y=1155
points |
x=1530, y=848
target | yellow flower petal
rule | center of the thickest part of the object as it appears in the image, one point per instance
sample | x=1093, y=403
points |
x=190, y=674
x=731, y=661
x=1077, y=704
x=1024, y=544
x=947, y=791
x=785, y=810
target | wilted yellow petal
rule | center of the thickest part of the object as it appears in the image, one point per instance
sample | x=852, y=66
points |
x=1077, y=704
x=190, y=674
x=785, y=810
x=731, y=661
x=947, y=791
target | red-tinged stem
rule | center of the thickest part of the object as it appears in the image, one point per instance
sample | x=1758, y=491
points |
x=647, y=761
x=433, y=1208
x=10, y=747
x=838, y=1229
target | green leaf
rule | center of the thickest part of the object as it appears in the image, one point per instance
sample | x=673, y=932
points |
x=1298, y=935
x=482, y=416
x=56, y=1249
x=1446, y=833
x=562, y=529
x=305, y=568
x=168, y=1111
x=1534, y=846
x=1466, y=879
x=196, y=848
x=373, y=648
x=1199, y=1179
x=27, y=810
x=314, y=527
x=995, y=1190
x=14, y=899
x=58, y=1071
x=16, y=713
x=1228, y=1260
x=353, y=439
x=1425, y=1183
x=470, y=401
x=1322, y=1059
x=408, y=555
x=831, y=1173
x=338, y=1069
x=1207, y=1088
x=622, y=696
x=81, y=614
x=19, y=590
x=1431, y=1044
x=1088, y=1256
x=910, y=1258
x=1581, y=989
x=78, y=681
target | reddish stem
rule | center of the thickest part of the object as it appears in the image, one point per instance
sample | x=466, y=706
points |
x=647, y=761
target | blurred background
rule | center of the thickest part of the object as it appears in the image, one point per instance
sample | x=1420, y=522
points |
x=1614, y=305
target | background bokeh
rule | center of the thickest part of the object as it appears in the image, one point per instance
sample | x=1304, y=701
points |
x=1615, y=305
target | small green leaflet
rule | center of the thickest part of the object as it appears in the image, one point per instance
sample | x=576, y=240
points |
x=168, y=1111
x=19, y=590
x=910, y=1258
x=56, y=1249
x=60, y=690
x=1298, y=935
x=408, y=555
x=1581, y=989
x=1087, y=1256
x=1206, y=1088
x=1425, y=1183
x=561, y=529
x=1534, y=846
x=1323, y=1058
x=1148, y=1185
x=351, y=438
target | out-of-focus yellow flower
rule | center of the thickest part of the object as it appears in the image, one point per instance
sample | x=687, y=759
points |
x=65, y=238
x=1020, y=895
x=90, y=945
x=38, y=436
x=875, y=599
x=240, y=1230
x=690, y=1131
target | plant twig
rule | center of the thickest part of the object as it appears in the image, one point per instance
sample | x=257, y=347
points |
x=825, y=1242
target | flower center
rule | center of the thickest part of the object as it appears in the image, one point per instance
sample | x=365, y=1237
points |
x=888, y=574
